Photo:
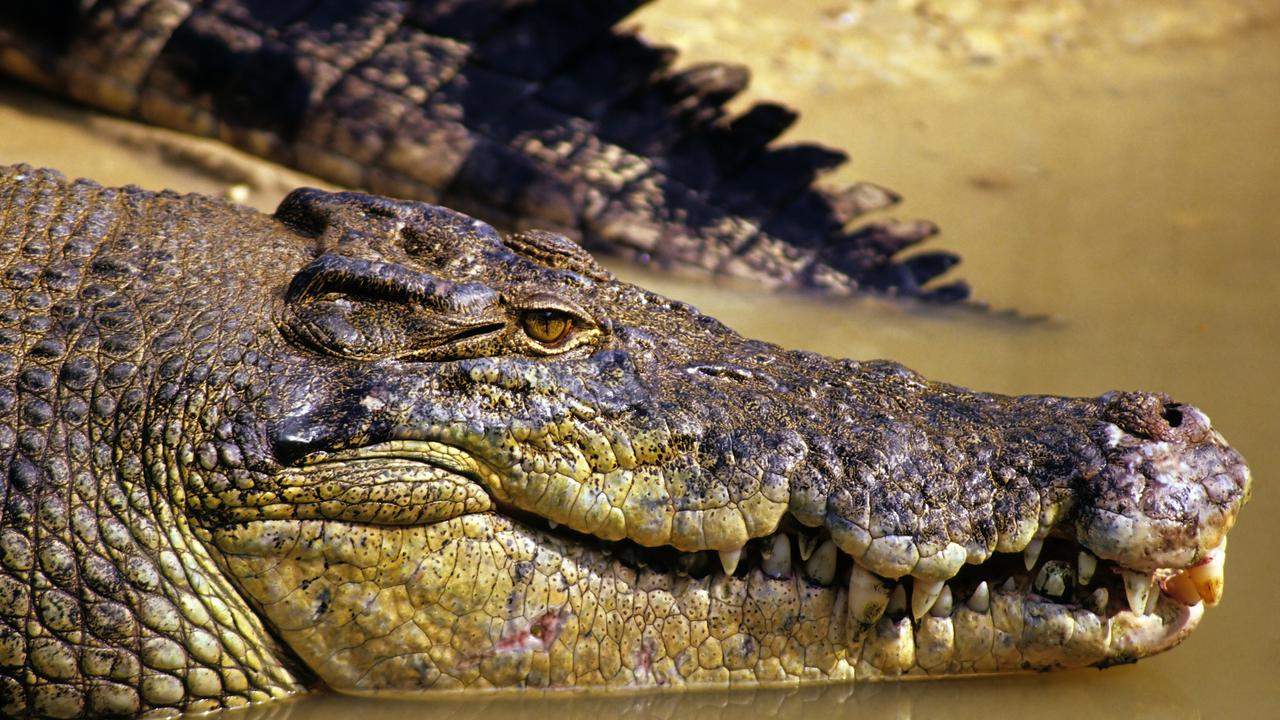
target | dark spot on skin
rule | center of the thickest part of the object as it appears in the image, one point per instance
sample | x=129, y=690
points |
x=324, y=597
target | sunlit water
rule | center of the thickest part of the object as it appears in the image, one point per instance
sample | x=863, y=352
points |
x=1130, y=197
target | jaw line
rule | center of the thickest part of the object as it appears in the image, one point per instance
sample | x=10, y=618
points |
x=468, y=466
x=1134, y=638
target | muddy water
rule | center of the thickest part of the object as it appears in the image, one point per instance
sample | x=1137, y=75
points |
x=1127, y=195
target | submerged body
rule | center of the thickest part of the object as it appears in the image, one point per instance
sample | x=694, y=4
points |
x=373, y=444
x=523, y=114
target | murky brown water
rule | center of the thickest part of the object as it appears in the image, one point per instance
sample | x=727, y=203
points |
x=1130, y=196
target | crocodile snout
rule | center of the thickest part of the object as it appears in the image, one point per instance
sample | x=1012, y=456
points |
x=1170, y=487
x=1155, y=416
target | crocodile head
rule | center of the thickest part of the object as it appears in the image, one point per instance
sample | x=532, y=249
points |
x=492, y=464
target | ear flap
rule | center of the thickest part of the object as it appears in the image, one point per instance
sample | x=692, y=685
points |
x=556, y=251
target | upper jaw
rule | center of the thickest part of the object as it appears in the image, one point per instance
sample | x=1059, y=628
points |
x=946, y=482
x=1141, y=514
x=1153, y=511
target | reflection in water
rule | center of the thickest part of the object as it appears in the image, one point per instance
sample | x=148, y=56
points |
x=1072, y=695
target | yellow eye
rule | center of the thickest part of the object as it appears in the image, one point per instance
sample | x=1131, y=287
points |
x=548, y=327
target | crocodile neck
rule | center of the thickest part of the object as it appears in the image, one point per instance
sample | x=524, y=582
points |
x=107, y=597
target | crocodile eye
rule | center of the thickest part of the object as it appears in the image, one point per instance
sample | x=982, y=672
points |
x=549, y=327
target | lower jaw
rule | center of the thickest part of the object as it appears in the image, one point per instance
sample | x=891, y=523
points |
x=481, y=601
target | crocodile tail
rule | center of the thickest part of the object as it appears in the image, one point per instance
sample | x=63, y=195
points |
x=526, y=114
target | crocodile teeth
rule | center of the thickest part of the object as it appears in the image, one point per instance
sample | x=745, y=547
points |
x=821, y=565
x=806, y=544
x=1010, y=585
x=1099, y=600
x=868, y=595
x=1153, y=596
x=1208, y=578
x=553, y=524
x=980, y=600
x=1180, y=588
x=897, y=601
x=1053, y=579
x=729, y=560
x=942, y=606
x=776, y=560
x=924, y=595
x=1032, y=554
x=1137, y=588
x=1086, y=564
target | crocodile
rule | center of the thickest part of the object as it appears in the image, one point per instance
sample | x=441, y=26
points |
x=524, y=114
x=376, y=446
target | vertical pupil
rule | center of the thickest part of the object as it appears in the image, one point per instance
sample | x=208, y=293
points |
x=546, y=325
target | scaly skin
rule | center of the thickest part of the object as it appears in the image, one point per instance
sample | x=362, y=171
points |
x=525, y=114
x=373, y=445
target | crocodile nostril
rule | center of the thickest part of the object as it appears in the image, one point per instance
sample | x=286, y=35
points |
x=1147, y=415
